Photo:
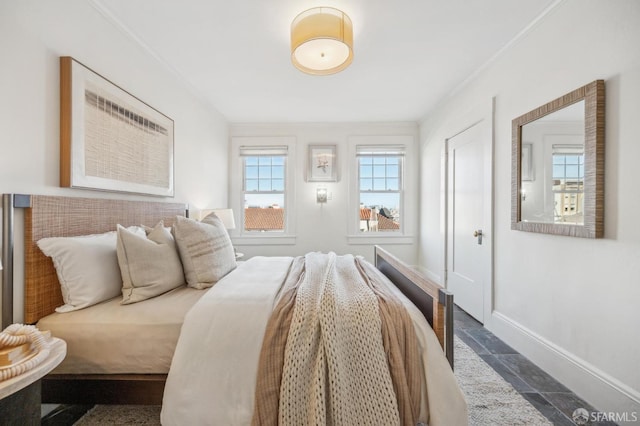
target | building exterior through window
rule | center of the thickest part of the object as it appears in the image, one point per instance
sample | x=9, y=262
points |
x=380, y=188
x=568, y=184
x=264, y=188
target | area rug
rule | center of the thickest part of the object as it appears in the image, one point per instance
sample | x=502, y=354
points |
x=491, y=400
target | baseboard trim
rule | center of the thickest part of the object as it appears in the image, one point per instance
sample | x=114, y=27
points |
x=598, y=388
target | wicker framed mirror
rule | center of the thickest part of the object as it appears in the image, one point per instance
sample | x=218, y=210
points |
x=557, y=165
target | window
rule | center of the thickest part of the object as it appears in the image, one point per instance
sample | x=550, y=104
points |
x=568, y=183
x=264, y=188
x=380, y=188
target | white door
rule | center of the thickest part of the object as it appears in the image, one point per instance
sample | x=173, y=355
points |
x=466, y=245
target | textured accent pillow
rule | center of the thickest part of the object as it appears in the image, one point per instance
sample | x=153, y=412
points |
x=150, y=264
x=87, y=267
x=205, y=249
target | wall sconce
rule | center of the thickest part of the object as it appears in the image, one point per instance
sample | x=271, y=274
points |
x=321, y=195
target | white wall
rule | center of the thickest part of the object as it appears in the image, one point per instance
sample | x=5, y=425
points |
x=324, y=227
x=33, y=34
x=569, y=304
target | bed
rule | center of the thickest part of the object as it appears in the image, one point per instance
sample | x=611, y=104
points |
x=47, y=216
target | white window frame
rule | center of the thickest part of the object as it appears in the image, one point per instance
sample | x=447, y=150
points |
x=568, y=150
x=385, y=151
x=236, y=198
x=408, y=179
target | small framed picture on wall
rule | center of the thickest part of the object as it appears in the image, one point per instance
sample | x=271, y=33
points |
x=322, y=166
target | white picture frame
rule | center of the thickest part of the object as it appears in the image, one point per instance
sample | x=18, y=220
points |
x=322, y=164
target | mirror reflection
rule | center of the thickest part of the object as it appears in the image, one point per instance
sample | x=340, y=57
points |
x=557, y=165
x=553, y=167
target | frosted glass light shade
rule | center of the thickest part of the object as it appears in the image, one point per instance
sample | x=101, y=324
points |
x=321, y=41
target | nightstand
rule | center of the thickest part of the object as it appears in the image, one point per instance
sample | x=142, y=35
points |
x=20, y=396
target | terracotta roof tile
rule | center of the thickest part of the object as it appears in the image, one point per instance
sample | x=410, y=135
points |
x=263, y=219
x=384, y=223
x=365, y=213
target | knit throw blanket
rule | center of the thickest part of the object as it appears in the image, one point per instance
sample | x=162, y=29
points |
x=339, y=349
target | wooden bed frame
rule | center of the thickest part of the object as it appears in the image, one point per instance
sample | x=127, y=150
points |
x=47, y=216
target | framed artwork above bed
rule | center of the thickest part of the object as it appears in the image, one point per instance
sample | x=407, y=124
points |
x=109, y=139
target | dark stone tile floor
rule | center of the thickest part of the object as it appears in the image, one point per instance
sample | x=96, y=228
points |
x=554, y=400
x=64, y=415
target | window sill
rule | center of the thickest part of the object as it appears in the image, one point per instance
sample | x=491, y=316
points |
x=379, y=239
x=262, y=240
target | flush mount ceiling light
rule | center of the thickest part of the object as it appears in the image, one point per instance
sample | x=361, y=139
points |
x=321, y=41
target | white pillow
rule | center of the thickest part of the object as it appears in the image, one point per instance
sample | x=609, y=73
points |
x=87, y=268
x=205, y=249
x=150, y=264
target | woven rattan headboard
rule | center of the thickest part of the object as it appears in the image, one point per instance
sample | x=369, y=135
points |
x=52, y=216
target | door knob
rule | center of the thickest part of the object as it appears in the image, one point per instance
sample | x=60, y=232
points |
x=478, y=234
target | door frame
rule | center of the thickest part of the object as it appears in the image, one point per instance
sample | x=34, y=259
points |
x=484, y=116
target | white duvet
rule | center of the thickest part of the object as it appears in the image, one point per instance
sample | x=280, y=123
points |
x=213, y=371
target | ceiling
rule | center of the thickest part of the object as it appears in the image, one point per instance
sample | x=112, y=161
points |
x=408, y=54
